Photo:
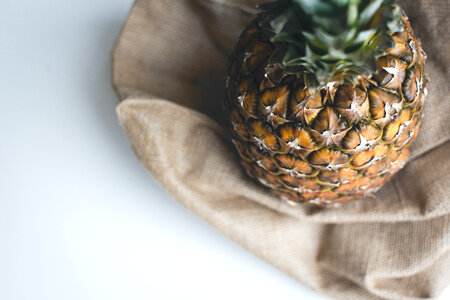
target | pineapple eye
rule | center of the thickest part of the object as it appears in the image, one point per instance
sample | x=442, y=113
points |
x=325, y=97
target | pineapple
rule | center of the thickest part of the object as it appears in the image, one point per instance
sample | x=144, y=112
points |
x=324, y=97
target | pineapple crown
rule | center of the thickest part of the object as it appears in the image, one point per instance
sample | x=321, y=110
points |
x=330, y=40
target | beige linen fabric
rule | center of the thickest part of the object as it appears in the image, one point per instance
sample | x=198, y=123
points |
x=168, y=68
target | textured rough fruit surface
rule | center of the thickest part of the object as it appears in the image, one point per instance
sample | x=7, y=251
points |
x=326, y=146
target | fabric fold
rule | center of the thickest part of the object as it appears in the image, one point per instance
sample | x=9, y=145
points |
x=168, y=70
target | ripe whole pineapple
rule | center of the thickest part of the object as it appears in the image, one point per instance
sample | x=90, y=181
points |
x=324, y=97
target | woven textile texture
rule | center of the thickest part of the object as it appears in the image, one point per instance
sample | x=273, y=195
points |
x=169, y=72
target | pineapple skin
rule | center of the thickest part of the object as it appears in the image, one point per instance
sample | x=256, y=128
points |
x=330, y=146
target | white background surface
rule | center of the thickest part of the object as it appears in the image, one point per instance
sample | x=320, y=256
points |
x=79, y=217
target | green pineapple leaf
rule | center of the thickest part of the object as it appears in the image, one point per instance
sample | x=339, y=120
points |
x=330, y=40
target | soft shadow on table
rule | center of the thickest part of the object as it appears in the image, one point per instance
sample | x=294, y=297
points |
x=101, y=97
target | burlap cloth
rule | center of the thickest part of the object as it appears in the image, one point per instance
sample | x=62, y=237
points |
x=168, y=68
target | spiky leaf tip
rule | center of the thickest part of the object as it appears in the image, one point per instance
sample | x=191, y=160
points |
x=330, y=40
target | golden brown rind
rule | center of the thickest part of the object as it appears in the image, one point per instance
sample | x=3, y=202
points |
x=332, y=146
